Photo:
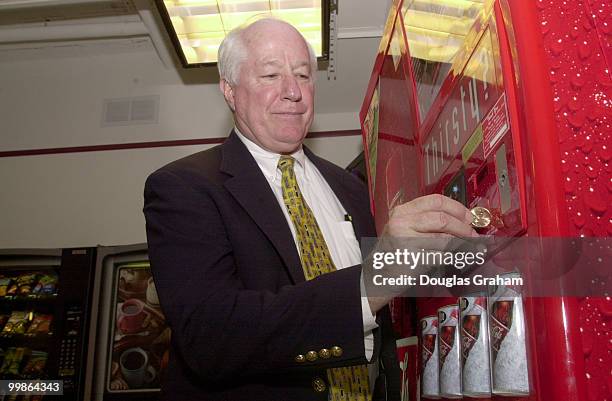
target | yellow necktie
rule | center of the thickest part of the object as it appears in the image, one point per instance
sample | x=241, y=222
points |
x=349, y=383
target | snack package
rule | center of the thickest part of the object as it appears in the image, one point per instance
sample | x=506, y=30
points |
x=3, y=320
x=47, y=283
x=17, y=323
x=13, y=368
x=5, y=282
x=8, y=357
x=12, y=362
x=41, y=324
x=25, y=283
x=12, y=287
x=35, y=367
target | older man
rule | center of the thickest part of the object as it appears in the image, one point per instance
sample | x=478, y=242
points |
x=257, y=268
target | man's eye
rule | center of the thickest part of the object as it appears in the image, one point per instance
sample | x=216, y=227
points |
x=270, y=76
x=303, y=76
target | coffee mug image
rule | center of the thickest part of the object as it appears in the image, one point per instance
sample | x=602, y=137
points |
x=134, y=364
x=131, y=316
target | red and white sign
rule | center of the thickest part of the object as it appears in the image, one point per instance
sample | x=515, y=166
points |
x=495, y=125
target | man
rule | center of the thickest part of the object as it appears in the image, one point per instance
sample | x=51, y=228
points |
x=258, y=271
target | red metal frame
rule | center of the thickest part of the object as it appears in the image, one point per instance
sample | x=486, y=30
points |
x=549, y=50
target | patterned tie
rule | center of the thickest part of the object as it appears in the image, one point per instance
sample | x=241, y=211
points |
x=349, y=383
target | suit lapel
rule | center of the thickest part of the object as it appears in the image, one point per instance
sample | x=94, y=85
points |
x=251, y=189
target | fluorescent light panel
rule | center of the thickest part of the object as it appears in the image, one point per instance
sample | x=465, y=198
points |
x=201, y=25
x=436, y=29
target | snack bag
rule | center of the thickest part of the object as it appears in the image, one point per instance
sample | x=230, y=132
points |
x=35, y=367
x=8, y=357
x=12, y=362
x=17, y=323
x=5, y=282
x=40, y=325
x=25, y=283
x=12, y=287
x=3, y=320
x=13, y=369
x=47, y=283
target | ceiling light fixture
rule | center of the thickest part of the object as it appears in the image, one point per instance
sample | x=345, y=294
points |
x=197, y=27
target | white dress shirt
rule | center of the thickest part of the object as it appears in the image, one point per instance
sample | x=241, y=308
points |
x=327, y=209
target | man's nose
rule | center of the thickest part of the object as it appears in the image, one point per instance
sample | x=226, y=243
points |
x=291, y=89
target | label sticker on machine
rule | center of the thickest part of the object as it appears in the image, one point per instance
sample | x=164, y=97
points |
x=495, y=125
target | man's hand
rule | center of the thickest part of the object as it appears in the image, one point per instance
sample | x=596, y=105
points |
x=427, y=217
x=430, y=216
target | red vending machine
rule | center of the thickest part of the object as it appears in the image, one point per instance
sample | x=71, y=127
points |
x=505, y=105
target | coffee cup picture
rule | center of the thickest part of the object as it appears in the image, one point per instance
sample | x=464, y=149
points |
x=131, y=316
x=141, y=336
x=134, y=364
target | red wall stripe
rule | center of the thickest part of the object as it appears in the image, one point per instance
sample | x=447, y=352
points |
x=157, y=144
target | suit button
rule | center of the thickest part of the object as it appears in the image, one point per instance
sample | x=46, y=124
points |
x=324, y=353
x=318, y=385
x=300, y=358
x=312, y=356
x=336, y=351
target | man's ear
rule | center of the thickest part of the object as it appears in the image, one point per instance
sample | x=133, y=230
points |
x=228, y=93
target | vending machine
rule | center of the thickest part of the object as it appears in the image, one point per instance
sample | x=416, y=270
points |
x=506, y=107
x=45, y=310
x=131, y=340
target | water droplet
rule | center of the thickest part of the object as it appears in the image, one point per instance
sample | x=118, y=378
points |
x=574, y=32
x=556, y=47
x=577, y=119
x=584, y=51
x=595, y=203
x=605, y=153
x=573, y=104
x=605, y=306
x=577, y=81
x=587, y=342
x=570, y=186
x=592, y=172
x=579, y=221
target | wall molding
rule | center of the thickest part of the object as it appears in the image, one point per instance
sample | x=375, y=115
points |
x=156, y=144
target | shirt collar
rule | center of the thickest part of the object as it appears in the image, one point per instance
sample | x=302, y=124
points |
x=268, y=161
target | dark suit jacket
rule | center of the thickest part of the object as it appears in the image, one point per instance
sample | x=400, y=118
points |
x=231, y=284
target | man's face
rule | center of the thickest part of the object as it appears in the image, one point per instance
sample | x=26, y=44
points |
x=273, y=100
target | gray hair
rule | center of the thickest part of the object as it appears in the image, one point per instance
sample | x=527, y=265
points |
x=233, y=52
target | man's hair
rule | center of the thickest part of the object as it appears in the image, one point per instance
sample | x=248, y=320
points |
x=233, y=51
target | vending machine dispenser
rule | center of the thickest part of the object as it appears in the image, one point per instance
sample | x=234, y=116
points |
x=46, y=300
x=505, y=106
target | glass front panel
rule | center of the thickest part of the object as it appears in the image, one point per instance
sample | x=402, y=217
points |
x=436, y=30
x=140, y=338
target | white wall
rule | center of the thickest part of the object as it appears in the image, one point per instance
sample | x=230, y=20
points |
x=84, y=199
x=92, y=198
x=59, y=102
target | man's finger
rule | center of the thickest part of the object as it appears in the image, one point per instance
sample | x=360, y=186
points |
x=437, y=203
x=430, y=222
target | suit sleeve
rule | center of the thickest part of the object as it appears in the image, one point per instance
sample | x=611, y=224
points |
x=222, y=330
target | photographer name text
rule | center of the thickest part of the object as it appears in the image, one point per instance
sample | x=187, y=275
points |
x=450, y=281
